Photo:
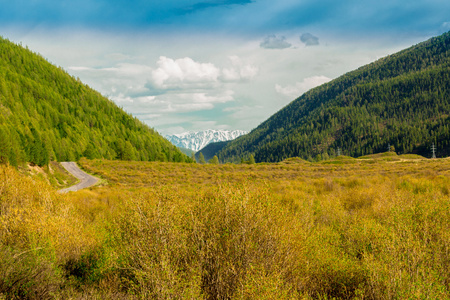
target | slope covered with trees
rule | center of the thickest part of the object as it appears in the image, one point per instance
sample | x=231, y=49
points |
x=402, y=100
x=210, y=150
x=45, y=114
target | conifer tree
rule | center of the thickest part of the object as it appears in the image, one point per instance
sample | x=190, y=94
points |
x=66, y=116
x=128, y=152
x=214, y=160
x=401, y=99
x=201, y=158
x=4, y=146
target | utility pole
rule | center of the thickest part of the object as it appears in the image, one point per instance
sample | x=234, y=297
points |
x=433, y=150
x=389, y=147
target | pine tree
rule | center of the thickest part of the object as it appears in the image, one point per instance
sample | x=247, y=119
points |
x=90, y=152
x=201, y=159
x=214, y=160
x=64, y=111
x=128, y=153
x=5, y=145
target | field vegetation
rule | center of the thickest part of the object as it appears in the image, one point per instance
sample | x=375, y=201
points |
x=372, y=228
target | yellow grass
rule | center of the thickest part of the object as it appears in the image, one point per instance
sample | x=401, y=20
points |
x=345, y=229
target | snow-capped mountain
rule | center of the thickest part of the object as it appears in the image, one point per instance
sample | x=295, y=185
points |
x=198, y=140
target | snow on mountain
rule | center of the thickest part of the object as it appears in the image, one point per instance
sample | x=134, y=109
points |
x=198, y=140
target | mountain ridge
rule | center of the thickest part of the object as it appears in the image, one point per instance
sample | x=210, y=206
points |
x=197, y=140
x=46, y=114
x=401, y=100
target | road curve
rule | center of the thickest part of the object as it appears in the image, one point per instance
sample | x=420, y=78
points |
x=86, y=179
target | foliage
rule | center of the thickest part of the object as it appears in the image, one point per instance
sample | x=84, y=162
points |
x=214, y=160
x=190, y=153
x=211, y=149
x=401, y=100
x=201, y=159
x=45, y=114
x=364, y=229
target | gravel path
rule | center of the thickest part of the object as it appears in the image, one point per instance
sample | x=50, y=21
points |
x=86, y=179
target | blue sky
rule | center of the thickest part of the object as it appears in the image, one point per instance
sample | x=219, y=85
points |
x=182, y=65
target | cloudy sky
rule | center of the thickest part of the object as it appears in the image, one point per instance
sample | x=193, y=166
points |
x=182, y=65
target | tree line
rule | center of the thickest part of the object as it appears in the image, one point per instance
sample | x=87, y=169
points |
x=46, y=114
x=402, y=100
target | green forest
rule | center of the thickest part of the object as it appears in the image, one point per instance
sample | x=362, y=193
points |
x=402, y=100
x=46, y=115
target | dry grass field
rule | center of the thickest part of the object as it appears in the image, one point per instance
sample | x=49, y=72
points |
x=371, y=228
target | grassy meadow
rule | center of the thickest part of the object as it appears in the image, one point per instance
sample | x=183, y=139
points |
x=371, y=228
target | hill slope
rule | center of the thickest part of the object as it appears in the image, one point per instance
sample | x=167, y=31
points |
x=402, y=100
x=45, y=114
x=211, y=149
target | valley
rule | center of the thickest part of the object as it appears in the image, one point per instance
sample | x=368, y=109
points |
x=345, y=228
x=308, y=205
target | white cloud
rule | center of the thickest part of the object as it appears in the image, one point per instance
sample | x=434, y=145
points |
x=274, y=42
x=184, y=73
x=175, y=130
x=146, y=99
x=188, y=102
x=74, y=68
x=204, y=98
x=171, y=86
x=238, y=71
x=99, y=57
x=178, y=102
x=166, y=120
x=121, y=98
x=150, y=116
x=294, y=91
x=121, y=79
x=185, y=95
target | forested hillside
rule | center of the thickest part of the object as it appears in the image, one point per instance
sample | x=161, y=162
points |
x=211, y=149
x=402, y=100
x=45, y=114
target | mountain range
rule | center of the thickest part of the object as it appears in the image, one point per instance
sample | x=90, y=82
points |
x=46, y=114
x=402, y=100
x=198, y=140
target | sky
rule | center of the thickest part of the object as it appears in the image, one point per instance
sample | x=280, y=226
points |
x=191, y=65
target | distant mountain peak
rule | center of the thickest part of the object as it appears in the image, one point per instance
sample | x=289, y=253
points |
x=197, y=140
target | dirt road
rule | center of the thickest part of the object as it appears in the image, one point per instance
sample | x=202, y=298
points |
x=86, y=179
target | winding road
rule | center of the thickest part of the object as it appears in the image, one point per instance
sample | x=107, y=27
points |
x=86, y=179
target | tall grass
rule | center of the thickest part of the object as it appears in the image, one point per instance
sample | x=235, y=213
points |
x=295, y=230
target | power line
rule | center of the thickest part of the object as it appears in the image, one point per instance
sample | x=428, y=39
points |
x=433, y=150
